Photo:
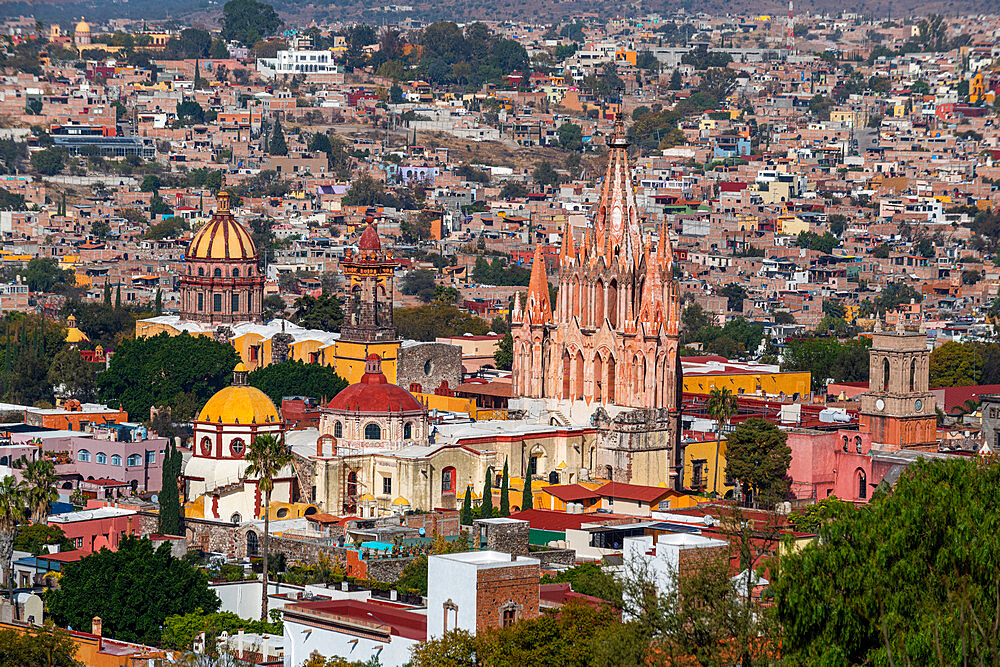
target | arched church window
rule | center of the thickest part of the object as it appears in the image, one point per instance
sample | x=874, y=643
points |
x=206, y=446
x=201, y=271
x=338, y=429
x=236, y=519
x=237, y=446
x=373, y=432
x=407, y=431
x=252, y=548
x=217, y=273
x=236, y=273
x=885, y=375
x=862, y=484
x=913, y=373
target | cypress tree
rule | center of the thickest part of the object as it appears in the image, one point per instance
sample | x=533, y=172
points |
x=486, y=508
x=278, y=145
x=504, y=490
x=466, y=515
x=158, y=303
x=168, y=494
x=118, y=297
x=527, y=498
x=107, y=294
x=198, y=83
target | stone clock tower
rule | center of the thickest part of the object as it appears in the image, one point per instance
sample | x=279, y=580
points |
x=898, y=409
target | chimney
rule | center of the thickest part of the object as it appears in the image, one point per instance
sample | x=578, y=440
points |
x=95, y=626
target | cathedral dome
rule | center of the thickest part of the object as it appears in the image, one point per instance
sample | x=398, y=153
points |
x=222, y=237
x=374, y=393
x=82, y=26
x=239, y=404
x=369, y=239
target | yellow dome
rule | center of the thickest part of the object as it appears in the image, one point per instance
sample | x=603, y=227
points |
x=82, y=27
x=400, y=501
x=239, y=404
x=222, y=237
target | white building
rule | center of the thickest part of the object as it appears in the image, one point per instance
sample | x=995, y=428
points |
x=662, y=561
x=290, y=63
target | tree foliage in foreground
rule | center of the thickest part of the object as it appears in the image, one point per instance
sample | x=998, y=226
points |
x=47, y=648
x=436, y=319
x=910, y=579
x=133, y=590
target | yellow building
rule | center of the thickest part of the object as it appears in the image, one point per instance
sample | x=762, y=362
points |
x=702, y=374
x=705, y=467
x=792, y=225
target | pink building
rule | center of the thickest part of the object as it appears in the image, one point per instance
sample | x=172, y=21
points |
x=97, y=528
x=832, y=463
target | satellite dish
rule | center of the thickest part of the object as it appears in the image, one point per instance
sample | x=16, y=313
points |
x=422, y=531
x=155, y=497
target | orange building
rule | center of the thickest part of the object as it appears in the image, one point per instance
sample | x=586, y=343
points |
x=94, y=650
x=74, y=416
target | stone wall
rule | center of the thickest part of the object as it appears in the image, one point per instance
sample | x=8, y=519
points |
x=555, y=557
x=428, y=365
x=506, y=535
x=439, y=522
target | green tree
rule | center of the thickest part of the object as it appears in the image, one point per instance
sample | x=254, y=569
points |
x=589, y=579
x=277, y=145
x=955, y=365
x=296, y=378
x=735, y=294
x=133, y=590
x=41, y=647
x=758, y=455
x=466, y=515
x=158, y=303
x=170, y=514
x=248, y=21
x=150, y=183
x=907, y=580
x=676, y=83
x=504, y=491
x=814, y=518
x=12, y=513
x=544, y=174
x=419, y=283
x=180, y=631
x=267, y=455
x=144, y=372
x=49, y=161
x=527, y=497
x=199, y=82
x=570, y=136
x=827, y=358
x=44, y=275
x=323, y=312
x=36, y=537
x=486, y=505
x=504, y=355
x=40, y=482
x=436, y=319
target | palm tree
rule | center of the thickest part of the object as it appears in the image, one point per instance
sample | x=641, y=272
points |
x=721, y=406
x=40, y=480
x=12, y=513
x=267, y=455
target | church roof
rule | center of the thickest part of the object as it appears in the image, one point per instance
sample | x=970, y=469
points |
x=374, y=393
x=537, y=308
x=222, y=237
x=369, y=239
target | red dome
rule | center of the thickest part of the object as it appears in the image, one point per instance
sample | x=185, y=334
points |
x=369, y=239
x=374, y=393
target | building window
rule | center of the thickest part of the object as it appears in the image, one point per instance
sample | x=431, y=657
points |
x=508, y=617
x=448, y=480
x=217, y=273
x=206, y=446
x=101, y=457
x=236, y=273
x=252, y=549
x=338, y=429
x=201, y=301
x=698, y=476
x=134, y=460
x=78, y=542
x=83, y=455
x=387, y=485
x=116, y=460
x=237, y=446
x=862, y=484
x=373, y=432
x=407, y=431
x=201, y=271
x=217, y=302
x=150, y=458
x=236, y=303
x=236, y=519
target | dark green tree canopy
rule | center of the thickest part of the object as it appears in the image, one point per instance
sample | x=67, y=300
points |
x=147, y=371
x=913, y=575
x=758, y=455
x=248, y=21
x=133, y=590
x=295, y=378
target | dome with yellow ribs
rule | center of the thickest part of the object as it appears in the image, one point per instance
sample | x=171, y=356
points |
x=82, y=26
x=222, y=237
x=239, y=403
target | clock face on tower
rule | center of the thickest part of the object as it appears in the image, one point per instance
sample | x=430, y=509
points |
x=919, y=405
x=880, y=405
x=616, y=219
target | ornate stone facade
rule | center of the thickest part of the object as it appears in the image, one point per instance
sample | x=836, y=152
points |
x=368, y=316
x=221, y=282
x=611, y=342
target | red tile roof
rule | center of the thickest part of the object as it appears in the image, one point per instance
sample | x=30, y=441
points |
x=401, y=622
x=570, y=492
x=645, y=494
x=560, y=521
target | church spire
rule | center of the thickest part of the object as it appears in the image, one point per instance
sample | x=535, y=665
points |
x=617, y=224
x=567, y=251
x=538, y=310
